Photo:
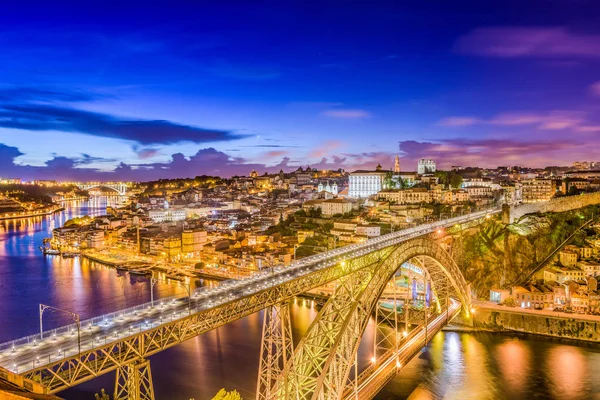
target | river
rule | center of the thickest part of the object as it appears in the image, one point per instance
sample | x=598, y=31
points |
x=453, y=366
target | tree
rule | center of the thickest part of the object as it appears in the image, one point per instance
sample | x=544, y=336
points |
x=388, y=181
x=225, y=395
x=102, y=395
x=456, y=180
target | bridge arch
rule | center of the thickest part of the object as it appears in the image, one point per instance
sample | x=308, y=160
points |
x=120, y=188
x=321, y=364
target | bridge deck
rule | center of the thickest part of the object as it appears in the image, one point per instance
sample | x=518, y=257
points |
x=377, y=375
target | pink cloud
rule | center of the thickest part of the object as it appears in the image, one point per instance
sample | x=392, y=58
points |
x=555, y=120
x=588, y=128
x=275, y=153
x=458, y=121
x=325, y=149
x=516, y=119
x=595, y=89
x=346, y=113
x=494, y=152
x=510, y=42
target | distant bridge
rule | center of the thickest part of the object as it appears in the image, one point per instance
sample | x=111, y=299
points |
x=320, y=366
x=119, y=187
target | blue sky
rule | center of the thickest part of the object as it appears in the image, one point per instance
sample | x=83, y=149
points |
x=138, y=91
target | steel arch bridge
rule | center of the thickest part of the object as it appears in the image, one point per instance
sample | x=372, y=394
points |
x=119, y=187
x=320, y=366
x=317, y=369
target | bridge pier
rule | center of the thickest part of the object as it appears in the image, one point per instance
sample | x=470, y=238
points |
x=276, y=350
x=134, y=382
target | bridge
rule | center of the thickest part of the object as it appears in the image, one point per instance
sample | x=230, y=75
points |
x=119, y=187
x=320, y=366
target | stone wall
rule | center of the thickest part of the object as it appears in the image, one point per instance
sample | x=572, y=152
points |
x=568, y=328
x=512, y=213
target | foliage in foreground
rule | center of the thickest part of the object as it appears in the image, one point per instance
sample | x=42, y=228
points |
x=225, y=395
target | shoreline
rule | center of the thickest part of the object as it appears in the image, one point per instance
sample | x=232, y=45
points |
x=29, y=214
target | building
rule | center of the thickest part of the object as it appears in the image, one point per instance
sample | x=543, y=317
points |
x=407, y=196
x=590, y=268
x=303, y=176
x=172, y=247
x=454, y=196
x=568, y=258
x=167, y=214
x=534, y=190
x=192, y=242
x=368, y=230
x=397, y=165
x=478, y=191
x=329, y=207
x=364, y=183
x=426, y=166
x=328, y=187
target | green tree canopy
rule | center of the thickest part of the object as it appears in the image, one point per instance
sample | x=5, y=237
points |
x=225, y=395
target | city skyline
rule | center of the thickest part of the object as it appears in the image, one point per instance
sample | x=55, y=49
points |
x=221, y=90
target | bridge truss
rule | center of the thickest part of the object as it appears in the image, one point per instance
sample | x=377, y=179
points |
x=321, y=364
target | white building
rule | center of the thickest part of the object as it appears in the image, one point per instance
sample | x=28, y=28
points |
x=368, y=230
x=167, y=215
x=426, y=166
x=329, y=188
x=363, y=183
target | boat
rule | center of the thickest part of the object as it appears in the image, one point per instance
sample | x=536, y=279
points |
x=49, y=252
x=121, y=267
x=69, y=255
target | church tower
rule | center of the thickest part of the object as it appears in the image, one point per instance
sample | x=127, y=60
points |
x=397, y=165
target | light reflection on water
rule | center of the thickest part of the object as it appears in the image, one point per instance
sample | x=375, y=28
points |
x=454, y=366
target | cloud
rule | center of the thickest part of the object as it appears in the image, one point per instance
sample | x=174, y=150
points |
x=86, y=159
x=275, y=153
x=512, y=42
x=346, y=114
x=458, y=121
x=36, y=94
x=554, y=120
x=325, y=149
x=42, y=117
x=145, y=153
x=207, y=161
x=588, y=128
x=268, y=146
x=494, y=152
x=595, y=89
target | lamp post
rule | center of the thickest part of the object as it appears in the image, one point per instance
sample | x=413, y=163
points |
x=75, y=316
x=152, y=283
x=189, y=291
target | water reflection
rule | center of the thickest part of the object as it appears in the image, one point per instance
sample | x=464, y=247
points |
x=514, y=362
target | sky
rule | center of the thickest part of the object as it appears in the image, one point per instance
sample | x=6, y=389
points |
x=148, y=90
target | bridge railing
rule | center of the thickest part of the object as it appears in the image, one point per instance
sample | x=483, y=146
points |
x=98, y=321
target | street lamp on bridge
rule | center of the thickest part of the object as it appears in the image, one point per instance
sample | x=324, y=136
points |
x=75, y=316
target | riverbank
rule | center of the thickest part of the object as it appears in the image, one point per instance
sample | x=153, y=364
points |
x=127, y=263
x=574, y=327
x=30, y=214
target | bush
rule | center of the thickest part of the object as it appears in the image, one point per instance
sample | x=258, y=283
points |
x=510, y=302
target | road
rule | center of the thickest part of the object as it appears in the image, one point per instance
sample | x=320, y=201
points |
x=35, y=351
x=378, y=375
x=545, y=312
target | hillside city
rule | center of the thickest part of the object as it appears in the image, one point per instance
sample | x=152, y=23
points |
x=231, y=228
